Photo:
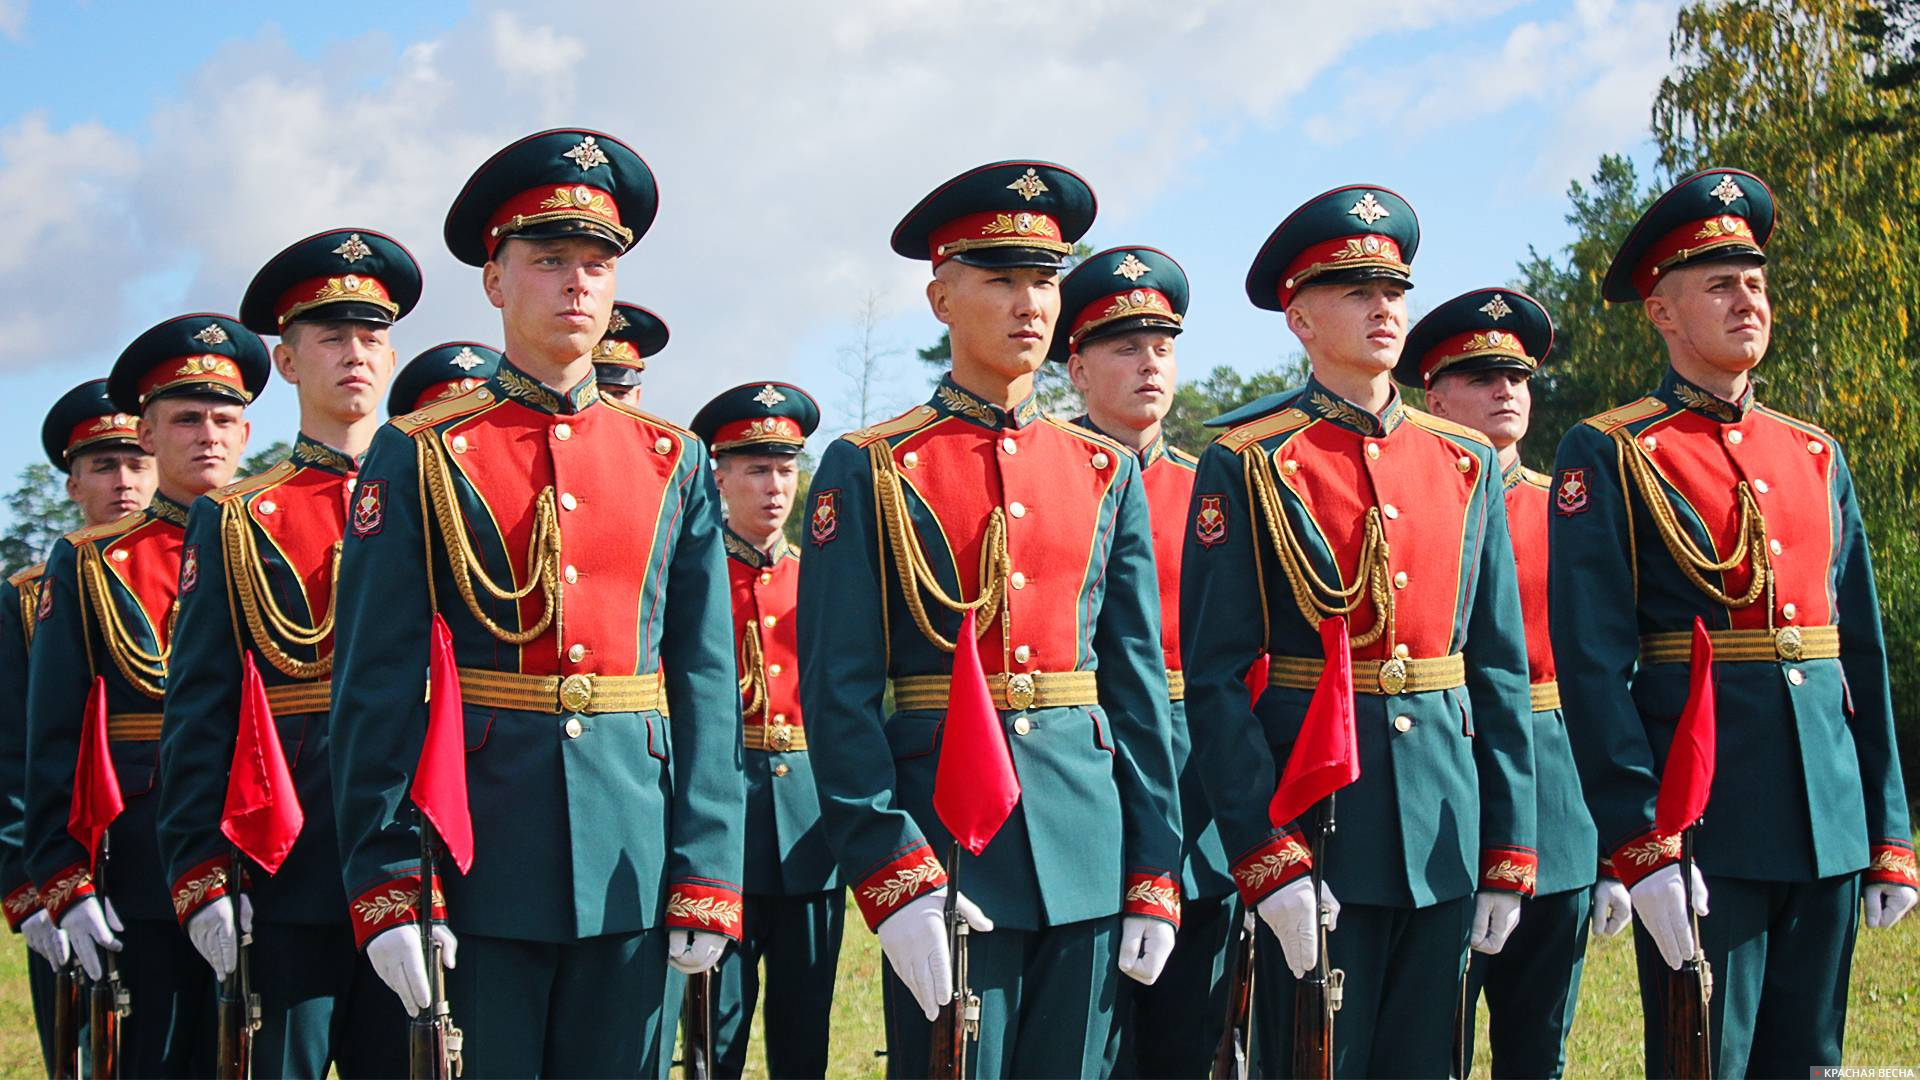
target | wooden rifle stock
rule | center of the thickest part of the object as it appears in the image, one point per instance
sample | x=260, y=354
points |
x=1231, y=1060
x=959, y=1021
x=1316, y=995
x=107, y=998
x=696, y=1027
x=237, y=1008
x=1689, y=1021
x=433, y=1043
x=66, y=1022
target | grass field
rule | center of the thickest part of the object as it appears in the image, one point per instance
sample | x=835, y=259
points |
x=1883, y=1023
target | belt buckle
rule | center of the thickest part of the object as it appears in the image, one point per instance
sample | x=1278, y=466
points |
x=1019, y=690
x=1789, y=644
x=780, y=735
x=576, y=692
x=1393, y=675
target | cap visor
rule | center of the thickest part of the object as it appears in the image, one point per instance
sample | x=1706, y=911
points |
x=616, y=375
x=1008, y=258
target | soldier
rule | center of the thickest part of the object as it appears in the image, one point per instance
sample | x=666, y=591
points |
x=108, y=477
x=576, y=558
x=633, y=334
x=263, y=553
x=1475, y=356
x=976, y=502
x=447, y=370
x=1697, y=502
x=1341, y=500
x=107, y=608
x=795, y=911
x=1120, y=311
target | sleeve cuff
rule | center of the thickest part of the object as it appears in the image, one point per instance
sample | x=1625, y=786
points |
x=704, y=904
x=1893, y=864
x=1278, y=860
x=897, y=882
x=1152, y=893
x=1644, y=854
x=1606, y=869
x=199, y=887
x=391, y=903
x=65, y=889
x=1509, y=869
x=20, y=904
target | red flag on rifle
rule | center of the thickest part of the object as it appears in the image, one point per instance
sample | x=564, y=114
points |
x=1687, y=779
x=974, y=786
x=440, y=780
x=262, y=815
x=1326, y=755
x=96, y=787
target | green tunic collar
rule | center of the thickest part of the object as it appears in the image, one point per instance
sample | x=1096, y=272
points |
x=1154, y=451
x=951, y=399
x=165, y=509
x=311, y=453
x=512, y=383
x=1681, y=394
x=740, y=548
x=1317, y=401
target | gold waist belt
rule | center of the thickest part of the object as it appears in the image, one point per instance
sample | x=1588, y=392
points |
x=301, y=697
x=1546, y=695
x=1176, y=685
x=1396, y=676
x=133, y=726
x=776, y=737
x=1786, y=643
x=1022, y=690
x=560, y=694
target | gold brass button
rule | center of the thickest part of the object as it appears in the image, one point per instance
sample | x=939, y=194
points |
x=1392, y=511
x=1101, y=460
x=768, y=621
x=1760, y=486
x=1796, y=676
x=1402, y=651
x=1814, y=446
x=1019, y=580
x=1650, y=443
x=774, y=670
x=567, y=501
x=662, y=444
x=459, y=444
x=1022, y=653
x=1774, y=546
x=1022, y=726
x=1373, y=451
x=574, y=727
x=576, y=652
x=119, y=554
x=1788, y=611
x=268, y=506
x=572, y=575
x=1465, y=464
x=1009, y=446
x=910, y=459
x=1735, y=436
x=1289, y=467
x=1400, y=580
x=781, y=769
x=1017, y=509
x=483, y=394
x=563, y=431
x=1403, y=724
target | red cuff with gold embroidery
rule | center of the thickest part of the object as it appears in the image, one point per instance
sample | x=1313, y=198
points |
x=1153, y=894
x=1278, y=860
x=1893, y=864
x=704, y=904
x=65, y=889
x=21, y=903
x=1644, y=854
x=1509, y=869
x=896, y=882
x=1607, y=870
x=199, y=887
x=391, y=903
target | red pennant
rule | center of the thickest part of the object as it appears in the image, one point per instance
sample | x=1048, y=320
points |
x=974, y=786
x=96, y=787
x=1326, y=755
x=440, y=780
x=263, y=815
x=1256, y=679
x=1687, y=779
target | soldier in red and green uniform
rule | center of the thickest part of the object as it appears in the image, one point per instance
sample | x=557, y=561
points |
x=1697, y=502
x=108, y=477
x=1341, y=500
x=447, y=370
x=976, y=501
x=107, y=609
x=574, y=549
x=633, y=335
x=795, y=911
x=263, y=553
x=1475, y=356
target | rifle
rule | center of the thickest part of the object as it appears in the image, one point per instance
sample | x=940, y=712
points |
x=107, y=999
x=696, y=1026
x=1689, y=991
x=1230, y=1058
x=959, y=1020
x=1317, y=994
x=1462, y=1022
x=237, y=1009
x=66, y=1021
x=433, y=1043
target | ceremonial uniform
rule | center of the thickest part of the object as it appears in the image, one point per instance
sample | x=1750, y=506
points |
x=574, y=550
x=633, y=335
x=1319, y=508
x=1044, y=524
x=1745, y=518
x=107, y=610
x=446, y=370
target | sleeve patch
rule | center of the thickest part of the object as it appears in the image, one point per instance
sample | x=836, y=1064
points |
x=189, y=568
x=370, y=508
x=1570, y=492
x=1210, y=520
x=824, y=523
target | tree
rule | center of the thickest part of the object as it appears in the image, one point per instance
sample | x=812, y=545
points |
x=860, y=360
x=1196, y=401
x=41, y=513
x=265, y=458
x=796, y=528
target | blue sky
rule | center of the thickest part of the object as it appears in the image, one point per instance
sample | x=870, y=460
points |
x=168, y=150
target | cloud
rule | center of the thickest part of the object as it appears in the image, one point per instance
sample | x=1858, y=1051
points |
x=13, y=18
x=72, y=182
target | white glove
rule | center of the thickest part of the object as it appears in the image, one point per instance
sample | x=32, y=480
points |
x=1495, y=913
x=90, y=926
x=915, y=941
x=1887, y=903
x=212, y=932
x=46, y=939
x=1612, y=907
x=1289, y=913
x=694, y=951
x=1661, y=902
x=1145, y=944
x=396, y=958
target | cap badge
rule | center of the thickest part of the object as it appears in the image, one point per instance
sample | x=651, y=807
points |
x=211, y=334
x=466, y=359
x=1030, y=186
x=587, y=155
x=769, y=397
x=1496, y=308
x=1132, y=269
x=354, y=249
x=1368, y=209
x=618, y=322
x=1726, y=190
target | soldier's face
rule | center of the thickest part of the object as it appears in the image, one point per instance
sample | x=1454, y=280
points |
x=1497, y=403
x=1359, y=326
x=1127, y=379
x=1000, y=319
x=108, y=485
x=341, y=368
x=758, y=490
x=554, y=296
x=626, y=395
x=196, y=443
x=1717, y=313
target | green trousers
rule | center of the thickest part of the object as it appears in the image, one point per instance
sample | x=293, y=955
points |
x=589, y=1008
x=321, y=1005
x=40, y=992
x=1046, y=1003
x=170, y=1030
x=1533, y=986
x=798, y=939
x=1781, y=955
x=1403, y=968
x=1170, y=1029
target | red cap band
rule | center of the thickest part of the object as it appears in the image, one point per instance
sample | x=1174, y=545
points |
x=320, y=291
x=994, y=229
x=1469, y=345
x=99, y=429
x=1693, y=238
x=766, y=429
x=1133, y=303
x=1341, y=253
x=209, y=370
x=554, y=202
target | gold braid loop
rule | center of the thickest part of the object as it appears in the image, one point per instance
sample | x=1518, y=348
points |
x=262, y=613
x=1749, y=544
x=1316, y=599
x=146, y=671
x=29, y=611
x=910, y=560
x=753, y=684
x=543, y=550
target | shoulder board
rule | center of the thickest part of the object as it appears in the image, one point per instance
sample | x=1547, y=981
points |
x=1181, y=456
x=111, y=529
x=1795, y=422
x=1104, y=442
x=792, y=553
x=1616, y=418
x=253, y=483
x=31, y=573
x=912, y=420
x=1537, y=479
x=1446, y=427
x=1266, y=427
x=665, y=425
x=440, y=411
